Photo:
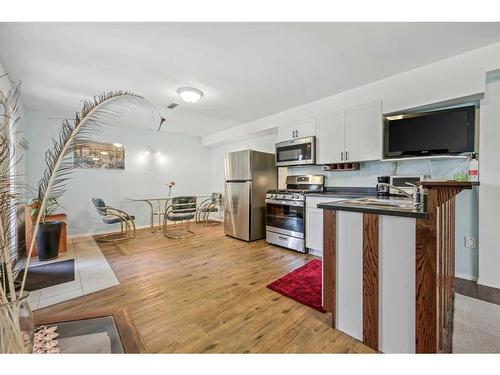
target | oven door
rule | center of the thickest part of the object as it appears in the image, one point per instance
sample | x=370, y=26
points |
x=285, y=217
x=300, y=151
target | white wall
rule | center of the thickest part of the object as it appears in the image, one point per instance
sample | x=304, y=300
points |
x=264, y=142
x=489, y=203
x=181, y=159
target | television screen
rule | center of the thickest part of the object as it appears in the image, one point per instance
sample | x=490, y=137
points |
x=448, y=131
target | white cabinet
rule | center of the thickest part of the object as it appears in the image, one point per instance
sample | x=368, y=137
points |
x=305, y=127
x=350, y=135
x=314, y=230
x=330, y=138
x=314, y=223
x=364, y=132
x=297, y=129
x=286, y=132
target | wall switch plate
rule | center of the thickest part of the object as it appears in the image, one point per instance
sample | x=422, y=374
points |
x=470, y=242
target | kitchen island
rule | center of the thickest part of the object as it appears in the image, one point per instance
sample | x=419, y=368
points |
x=388, y=270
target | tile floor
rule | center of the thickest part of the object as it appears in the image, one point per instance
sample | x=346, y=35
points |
x=92, y=273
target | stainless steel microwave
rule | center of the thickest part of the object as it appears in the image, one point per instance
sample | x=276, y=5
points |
x=298, y=151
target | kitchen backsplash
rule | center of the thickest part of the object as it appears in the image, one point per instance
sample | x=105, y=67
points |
x=369, y=171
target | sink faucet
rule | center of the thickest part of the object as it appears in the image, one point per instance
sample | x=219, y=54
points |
x=416, y=196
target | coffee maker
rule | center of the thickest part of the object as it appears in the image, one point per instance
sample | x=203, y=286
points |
x=383, y=190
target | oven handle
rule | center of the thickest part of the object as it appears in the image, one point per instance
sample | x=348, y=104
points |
x=285, y=202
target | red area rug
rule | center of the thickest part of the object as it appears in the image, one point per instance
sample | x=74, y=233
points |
x=303, y=285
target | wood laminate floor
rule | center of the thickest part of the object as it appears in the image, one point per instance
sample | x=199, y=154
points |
x=208, y=294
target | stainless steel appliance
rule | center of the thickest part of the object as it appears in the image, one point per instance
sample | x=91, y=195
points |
x=248, y=174
x=403, y=182
x=382, y=188
x=299, y=151
x=285, y=211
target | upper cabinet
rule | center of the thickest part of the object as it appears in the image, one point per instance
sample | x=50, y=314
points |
x=330, y=138
x=297, y=129
x=350, y=135
x=364, y=132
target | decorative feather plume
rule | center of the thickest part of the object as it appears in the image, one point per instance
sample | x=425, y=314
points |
x=10, y=334
x=96, y=113
x=9, y=199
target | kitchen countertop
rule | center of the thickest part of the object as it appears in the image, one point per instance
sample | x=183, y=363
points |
x=345, y=205
x=345, y=192
x=339, y=195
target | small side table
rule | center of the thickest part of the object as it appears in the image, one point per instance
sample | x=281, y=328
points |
x=104, y=331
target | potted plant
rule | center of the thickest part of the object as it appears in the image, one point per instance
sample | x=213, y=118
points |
x=49, y=232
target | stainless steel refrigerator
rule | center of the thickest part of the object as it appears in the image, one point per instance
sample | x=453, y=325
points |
x=249, y=175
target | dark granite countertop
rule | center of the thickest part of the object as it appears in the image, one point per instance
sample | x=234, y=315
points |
x=344, y=192
x=347, y=205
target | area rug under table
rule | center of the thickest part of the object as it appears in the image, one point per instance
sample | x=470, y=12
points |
x=302, y=284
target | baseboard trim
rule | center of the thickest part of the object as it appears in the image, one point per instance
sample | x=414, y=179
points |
x=103, y=231
x=491, y=284
x=466, y=276
x=314, y=252
x=98, y=232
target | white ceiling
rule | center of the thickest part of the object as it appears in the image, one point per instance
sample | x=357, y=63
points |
x=247, y=70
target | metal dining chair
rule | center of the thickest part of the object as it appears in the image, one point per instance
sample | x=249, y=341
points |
x=208, y=206
x=180, y=211
x=114, y=216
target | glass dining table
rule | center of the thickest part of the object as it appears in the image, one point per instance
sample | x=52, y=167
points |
x=160, y=203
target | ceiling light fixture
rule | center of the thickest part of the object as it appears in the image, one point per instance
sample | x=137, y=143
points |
x=190, y=94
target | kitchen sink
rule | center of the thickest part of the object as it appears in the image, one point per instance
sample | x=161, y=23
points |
x=382, y=203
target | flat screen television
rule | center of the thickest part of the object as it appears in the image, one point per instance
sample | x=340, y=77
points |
x=442, y=132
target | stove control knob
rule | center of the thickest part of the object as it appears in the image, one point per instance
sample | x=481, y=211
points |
x=296, y=196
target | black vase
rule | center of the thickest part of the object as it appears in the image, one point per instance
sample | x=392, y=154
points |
x=47, y=240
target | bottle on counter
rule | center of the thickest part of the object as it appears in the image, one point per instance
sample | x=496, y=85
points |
x=473, y=172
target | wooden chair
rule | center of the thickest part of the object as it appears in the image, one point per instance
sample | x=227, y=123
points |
x=180, y=211
x=114, y=216
x=209, y=205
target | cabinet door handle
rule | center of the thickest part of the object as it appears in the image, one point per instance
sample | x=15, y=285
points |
x=341, y=155
x=347, y=155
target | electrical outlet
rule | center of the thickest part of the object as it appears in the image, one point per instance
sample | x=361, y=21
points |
x=470, y=242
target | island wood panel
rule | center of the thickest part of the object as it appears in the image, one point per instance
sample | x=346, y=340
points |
x=435, y=253
x=371, y=280
x=425, y=280
x=329, y=258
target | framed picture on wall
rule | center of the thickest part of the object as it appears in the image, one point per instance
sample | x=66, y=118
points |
x=99, y=155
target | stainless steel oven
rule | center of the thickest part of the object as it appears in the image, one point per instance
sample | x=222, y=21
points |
x=299, y=151
x=285, y=211
x=285, y=223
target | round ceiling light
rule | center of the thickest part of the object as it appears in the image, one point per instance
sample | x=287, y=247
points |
x=190, y=94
